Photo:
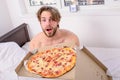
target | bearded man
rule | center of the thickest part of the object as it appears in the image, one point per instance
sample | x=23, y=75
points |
x=49, y=18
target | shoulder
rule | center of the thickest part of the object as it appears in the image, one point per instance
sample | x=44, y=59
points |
x=65, y=31
x=35, y=41
x=68, y=32
x=37, y=36
x=71, y=36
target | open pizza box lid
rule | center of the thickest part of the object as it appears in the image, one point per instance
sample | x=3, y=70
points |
x=87, y=66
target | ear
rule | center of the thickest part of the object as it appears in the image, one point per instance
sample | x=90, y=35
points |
x=58, y=25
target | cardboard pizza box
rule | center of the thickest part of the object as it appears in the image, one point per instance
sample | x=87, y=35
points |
x=87, y=66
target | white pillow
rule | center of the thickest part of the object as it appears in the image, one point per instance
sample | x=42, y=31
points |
x=10, y=55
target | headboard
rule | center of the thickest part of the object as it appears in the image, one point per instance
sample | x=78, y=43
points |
x=19, y=35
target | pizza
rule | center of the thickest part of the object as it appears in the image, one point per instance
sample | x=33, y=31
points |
x=53, y=62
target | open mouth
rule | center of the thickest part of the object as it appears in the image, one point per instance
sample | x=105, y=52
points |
x=49, y=30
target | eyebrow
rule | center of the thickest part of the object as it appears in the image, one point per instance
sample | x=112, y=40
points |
x=44, y=17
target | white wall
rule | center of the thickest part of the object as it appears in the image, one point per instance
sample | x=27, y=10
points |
x=5, y=21
x=102, y=31
x=94, y=27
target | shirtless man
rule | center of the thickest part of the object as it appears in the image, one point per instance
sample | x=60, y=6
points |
x=49, y=18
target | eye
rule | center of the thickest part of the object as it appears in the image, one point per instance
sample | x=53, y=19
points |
x=43, y=20
x=50, y=20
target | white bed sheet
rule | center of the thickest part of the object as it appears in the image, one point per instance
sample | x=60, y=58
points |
x=10, y=56
x=25, y=47
x=110, y=57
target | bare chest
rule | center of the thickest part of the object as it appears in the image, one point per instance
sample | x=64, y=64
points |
x=54, y=42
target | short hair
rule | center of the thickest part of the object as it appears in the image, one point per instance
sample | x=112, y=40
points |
x=54, y=12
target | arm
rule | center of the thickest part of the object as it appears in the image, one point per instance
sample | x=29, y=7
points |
x=31, y=45
x=35, y=42
x=76, y=40
x=70, y=36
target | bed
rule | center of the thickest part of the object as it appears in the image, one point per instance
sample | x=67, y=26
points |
x=14, y=47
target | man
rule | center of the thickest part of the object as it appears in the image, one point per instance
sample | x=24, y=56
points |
x=49, y=18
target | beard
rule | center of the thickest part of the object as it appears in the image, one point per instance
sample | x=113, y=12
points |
x=50, y=32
